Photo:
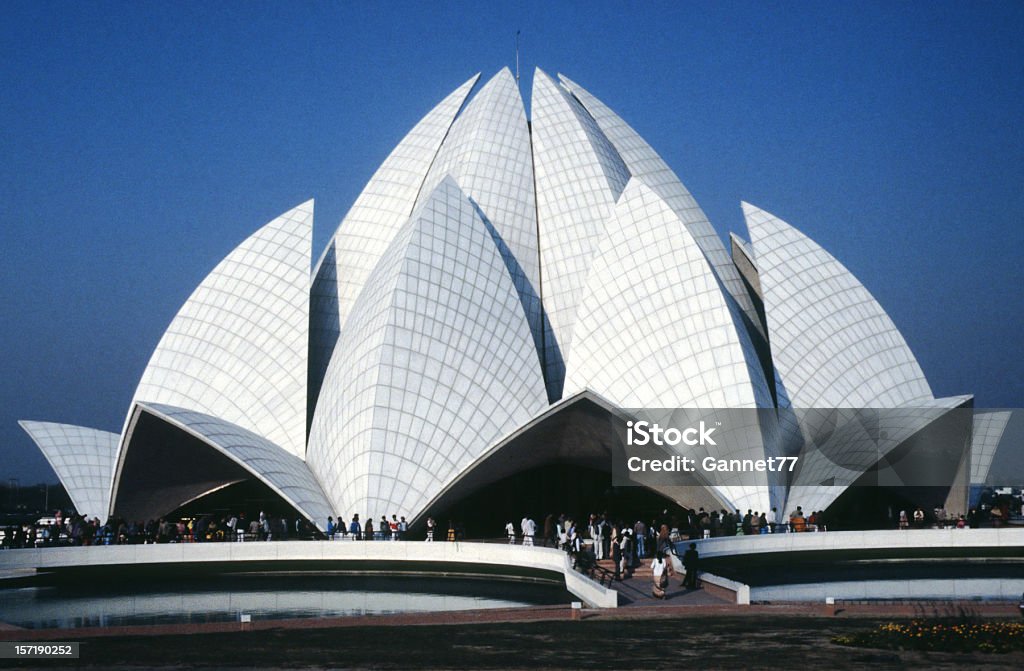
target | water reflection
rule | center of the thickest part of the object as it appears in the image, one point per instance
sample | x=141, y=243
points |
x=265, y=597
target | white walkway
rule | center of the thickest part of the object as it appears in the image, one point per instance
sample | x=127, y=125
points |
x=385, y=556
x=1003, y=546
x=860, y=540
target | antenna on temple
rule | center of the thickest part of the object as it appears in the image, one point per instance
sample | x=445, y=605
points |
x=517, y=57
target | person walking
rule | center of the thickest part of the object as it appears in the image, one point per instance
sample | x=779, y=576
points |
x=510, y=531
x=575, y=546
x=661, y=570
x=691, y=559
x=626, y=552
x=640, y=534
x=616, y=553
x=527, y=528
x=430, y=529
x=664, y=543
x=597, y=534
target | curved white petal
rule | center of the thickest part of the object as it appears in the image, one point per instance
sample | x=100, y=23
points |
x=656, y=330
x=381, y=209
x=435, y=362
x=487, y=152
x=654, y=326
x=642, y=161
x=579, y=177
x=243, y=454
x=988, y=431
x=832, y=343
x=83, y=459
x=237, y=349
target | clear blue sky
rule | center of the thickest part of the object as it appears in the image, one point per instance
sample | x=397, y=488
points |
x=140, y=142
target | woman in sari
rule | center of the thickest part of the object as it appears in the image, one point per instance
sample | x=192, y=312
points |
x=661, y=570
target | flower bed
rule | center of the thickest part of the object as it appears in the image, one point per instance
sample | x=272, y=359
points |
x=946, y=636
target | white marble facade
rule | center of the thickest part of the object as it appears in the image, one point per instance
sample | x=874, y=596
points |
x=493, y=265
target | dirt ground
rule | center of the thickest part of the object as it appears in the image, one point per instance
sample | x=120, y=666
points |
x=667, y=642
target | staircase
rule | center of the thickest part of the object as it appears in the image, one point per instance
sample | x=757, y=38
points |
x=636, y=588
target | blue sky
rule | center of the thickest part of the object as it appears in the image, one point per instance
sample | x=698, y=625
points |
x=141, y=142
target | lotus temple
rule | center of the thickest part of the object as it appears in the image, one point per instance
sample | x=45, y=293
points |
x=501, y=292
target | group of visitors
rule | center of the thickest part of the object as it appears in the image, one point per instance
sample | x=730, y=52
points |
x=77, y=530
x=626, y=552
x=997, y=507
x=62, y=529
x=719, y=523
x=994, y=516
x=260, y=528
x=395, y=529
x=798, y=522
x=601, y=538
x=644, y=539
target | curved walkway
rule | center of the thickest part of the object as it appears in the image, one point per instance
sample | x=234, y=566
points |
x=919, y=541
x=513, y=562
x=930, y=564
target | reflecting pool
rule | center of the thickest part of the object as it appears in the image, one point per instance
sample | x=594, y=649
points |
x=226, y=598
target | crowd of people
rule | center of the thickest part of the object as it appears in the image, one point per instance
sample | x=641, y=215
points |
x=993, y=516
x=600, y=538
x=650, y=537
x=395, y=529
x=626, y=545
x=603, y=536
x=78, y=530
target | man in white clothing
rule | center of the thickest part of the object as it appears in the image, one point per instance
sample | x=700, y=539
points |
x=597, y=533
x=529, y=528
